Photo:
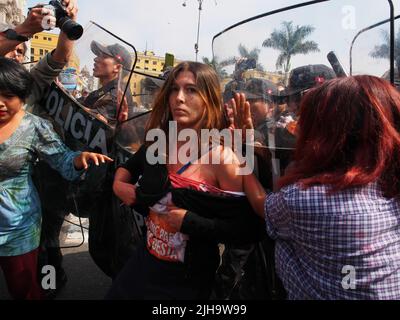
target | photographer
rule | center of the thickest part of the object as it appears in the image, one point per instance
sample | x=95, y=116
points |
x=12, y=45
x=9, y=41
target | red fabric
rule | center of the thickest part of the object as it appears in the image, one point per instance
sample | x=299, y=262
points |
x=177, y=181
x=21, y=276
x=162, y=241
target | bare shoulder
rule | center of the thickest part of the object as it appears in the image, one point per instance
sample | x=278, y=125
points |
x=223, y=155
x=226, y=169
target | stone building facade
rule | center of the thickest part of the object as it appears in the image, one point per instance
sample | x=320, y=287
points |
x=11, y=11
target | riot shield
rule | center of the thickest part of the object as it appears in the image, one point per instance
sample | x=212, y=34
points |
x=375, y=39
x=274, y=58
x=277, y=56
x=102, y=114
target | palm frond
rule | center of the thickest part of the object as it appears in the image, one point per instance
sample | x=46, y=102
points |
x=305, y=47
x=290, y=40
x=302, y=32
x=243, y=51
x=381, y=52
x=228, y=62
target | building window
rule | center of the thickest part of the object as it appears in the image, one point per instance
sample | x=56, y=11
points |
x=41, y=52
x=154, y=69
x=154, y=62
x=146, y=61
x=32, y=58
x=145, y=68
x=44, y=38
x=46, y=51
x=36, y=37
x=134, y=85
x=138, y=60
x=32, y=51
x=49, y=39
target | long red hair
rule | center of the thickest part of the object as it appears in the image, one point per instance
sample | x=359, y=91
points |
x=348, y=136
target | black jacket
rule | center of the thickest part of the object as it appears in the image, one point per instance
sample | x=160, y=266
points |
x=211, y=219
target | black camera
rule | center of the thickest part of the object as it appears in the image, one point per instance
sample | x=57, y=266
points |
x=72, y=29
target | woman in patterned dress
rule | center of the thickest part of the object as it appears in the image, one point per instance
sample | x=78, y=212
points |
x=24, y=139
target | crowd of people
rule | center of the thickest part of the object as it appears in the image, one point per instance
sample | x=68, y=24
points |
x=322, y=196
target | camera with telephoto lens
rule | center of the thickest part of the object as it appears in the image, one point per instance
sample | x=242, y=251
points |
x=72, y=29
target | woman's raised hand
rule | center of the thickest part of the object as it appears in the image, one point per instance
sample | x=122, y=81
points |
x=83, y=159
x=238, y=110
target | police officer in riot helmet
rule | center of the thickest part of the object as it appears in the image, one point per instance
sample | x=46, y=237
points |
x=238, y=81
x=301, y=79
x=236, y=277
x=239, y=273
x=110, y=61
x=260, y=93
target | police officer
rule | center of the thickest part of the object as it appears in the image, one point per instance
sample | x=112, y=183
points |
x=260, y=94
x=110, y=61
x=301, y=79
x=247, y=271
x=238, y=82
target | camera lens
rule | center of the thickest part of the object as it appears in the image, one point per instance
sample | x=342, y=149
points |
x=72, y=29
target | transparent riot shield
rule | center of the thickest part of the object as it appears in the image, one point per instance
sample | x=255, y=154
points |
x=275, y=58
x=94, y=107
x=105, y=63
x=131, y=132
x=375, y=40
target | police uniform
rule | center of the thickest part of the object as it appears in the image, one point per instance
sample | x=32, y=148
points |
x=103, y=101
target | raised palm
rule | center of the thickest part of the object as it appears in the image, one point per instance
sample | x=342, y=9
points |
x=239, y=115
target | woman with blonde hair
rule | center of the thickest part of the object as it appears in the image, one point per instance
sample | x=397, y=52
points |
x=190, y=206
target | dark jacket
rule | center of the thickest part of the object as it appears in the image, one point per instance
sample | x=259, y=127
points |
x=104, y=101
x=211, y=219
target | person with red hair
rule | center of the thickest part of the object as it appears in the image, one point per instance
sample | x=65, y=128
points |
x=336, y=215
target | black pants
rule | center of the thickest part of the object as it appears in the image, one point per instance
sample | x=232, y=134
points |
x=144, y=277
x=52, y=191
x=50, y=252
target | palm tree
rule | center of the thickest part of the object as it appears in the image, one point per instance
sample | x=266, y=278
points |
x=382, y=51
x=217, y=66
x=245, y=54
x=290, y=41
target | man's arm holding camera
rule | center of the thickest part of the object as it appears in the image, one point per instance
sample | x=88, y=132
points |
x=31, y=25
x=65, y=46
x=50, y=66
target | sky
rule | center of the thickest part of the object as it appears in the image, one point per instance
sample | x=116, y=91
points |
x=168, y=26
